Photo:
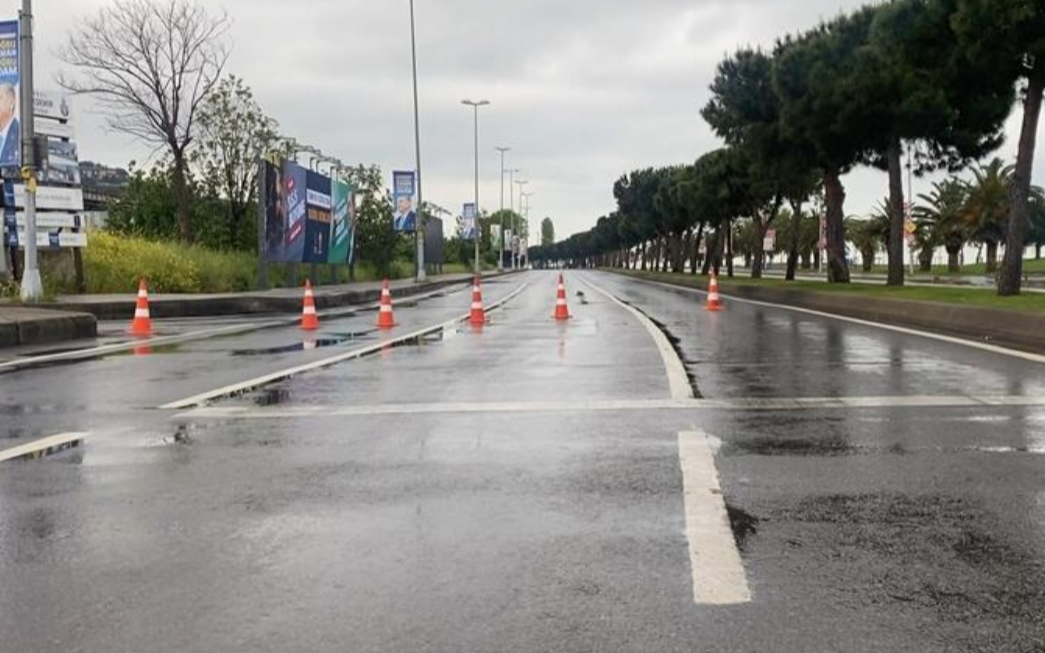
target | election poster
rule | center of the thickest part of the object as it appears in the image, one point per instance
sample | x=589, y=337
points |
x=469, y=224
x=10, y=112
x=404, y=198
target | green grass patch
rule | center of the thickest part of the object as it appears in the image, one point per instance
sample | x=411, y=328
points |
x=986, y=297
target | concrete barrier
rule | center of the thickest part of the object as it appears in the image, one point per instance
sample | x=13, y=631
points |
x=33, y=326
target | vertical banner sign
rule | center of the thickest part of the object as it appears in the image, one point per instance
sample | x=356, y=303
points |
x=404, y=197
x=275, y=214
x=317, y=218
x=769, y=242
x=10, y=113
x=469, y=226
x=294, y=190
x=495, y=237
x=341, y=226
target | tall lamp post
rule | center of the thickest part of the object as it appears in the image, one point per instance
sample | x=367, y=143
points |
x=478, y=231
x=526, y=218
x=522, y=187
x=418, y=235
x=500, y=254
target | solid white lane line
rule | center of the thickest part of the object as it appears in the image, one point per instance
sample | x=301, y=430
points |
x=783, y=404
x=678, y=380
x=43, y=446
x=280, y=375
x=718, y=572
x=994, y=349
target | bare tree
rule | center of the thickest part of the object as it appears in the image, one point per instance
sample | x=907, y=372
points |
x=151, y=64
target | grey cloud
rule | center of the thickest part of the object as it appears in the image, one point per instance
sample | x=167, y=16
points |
x=582, y=90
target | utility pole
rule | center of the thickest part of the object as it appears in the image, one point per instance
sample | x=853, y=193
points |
x=478, y=228
x=419, y=239
x=32, y=285
x=500, y=254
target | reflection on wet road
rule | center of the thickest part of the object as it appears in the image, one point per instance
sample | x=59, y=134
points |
x=525, y=487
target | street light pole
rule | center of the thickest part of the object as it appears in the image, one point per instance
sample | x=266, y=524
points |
x=478, y=231
x=521, y=183
x=511, y=204
x=500, y=254
x=419, y=244
x=32, y=284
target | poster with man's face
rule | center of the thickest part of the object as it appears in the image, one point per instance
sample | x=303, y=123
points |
x=10, y=127
x=404, y=200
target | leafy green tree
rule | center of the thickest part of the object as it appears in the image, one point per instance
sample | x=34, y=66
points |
x=1037, y=225
x=817, y=108
x=376, y=239
x=941, y=211
x=914, y=84
x=1012, y=35
x=547, y=232
x=234, y=133
x=867, y=237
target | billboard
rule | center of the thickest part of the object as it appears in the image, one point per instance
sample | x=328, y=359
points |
x=318, y=218
x=404, y=199
x=63, y=163
x=469, y=226
x=495, y=237
x=10, y=113
x=294, y=196
x=52, y=104
x=271, y=177
x=343, y=223
x=435, y=253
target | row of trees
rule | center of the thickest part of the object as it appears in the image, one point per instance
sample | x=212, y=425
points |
x=934, y=80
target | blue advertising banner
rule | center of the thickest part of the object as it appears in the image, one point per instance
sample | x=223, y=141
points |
x=318, y=218
x=295, y=194
x=10, y=112
x=404, y=198
x=469, y=225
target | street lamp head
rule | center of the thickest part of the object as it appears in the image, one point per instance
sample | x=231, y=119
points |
x=472, y=103
x=503, y=149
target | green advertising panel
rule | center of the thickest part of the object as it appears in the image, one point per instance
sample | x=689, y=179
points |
x=342, y=226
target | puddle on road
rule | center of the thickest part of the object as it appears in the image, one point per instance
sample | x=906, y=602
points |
x=332, y=340
x=743, y=524
x=792, y=447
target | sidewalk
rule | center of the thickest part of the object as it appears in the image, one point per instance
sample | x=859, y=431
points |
x=280, y=300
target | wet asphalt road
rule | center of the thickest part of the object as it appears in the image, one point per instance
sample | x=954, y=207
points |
x=461, y=493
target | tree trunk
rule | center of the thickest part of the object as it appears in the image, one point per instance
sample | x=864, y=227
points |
x=712, y=253
x=896, y=214
x=925, y=259
x=642, y=252
x=1010, y=280
x=181, y=195
x=696, y=249
x=665, y=254
x=1037, y=252
x=792, y=248
x=729, y=249
x=992, y=257
x=953, y=260
x=868, y=256
x=837, y=268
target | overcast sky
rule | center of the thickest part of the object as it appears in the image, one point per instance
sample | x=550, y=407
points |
x=581, y=90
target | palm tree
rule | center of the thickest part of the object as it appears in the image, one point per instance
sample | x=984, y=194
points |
x=986, y=209
x=940, y=214
x=869, y=236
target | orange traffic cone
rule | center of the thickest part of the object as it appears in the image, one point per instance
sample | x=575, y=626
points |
x=561, y=310
x=385, y=318
x=309, y=318
x=478, y=317
x=142, y=323
x=714, y=302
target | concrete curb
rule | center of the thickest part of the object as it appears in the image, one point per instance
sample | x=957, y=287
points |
x=1013, y=329
x=33, y=326
x=250, y=303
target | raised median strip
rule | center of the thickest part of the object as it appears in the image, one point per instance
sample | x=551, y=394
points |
x=1022, y=327
x=43, y=447
x=21, y=326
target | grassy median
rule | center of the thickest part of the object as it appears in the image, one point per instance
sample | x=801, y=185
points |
x=986, y=297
